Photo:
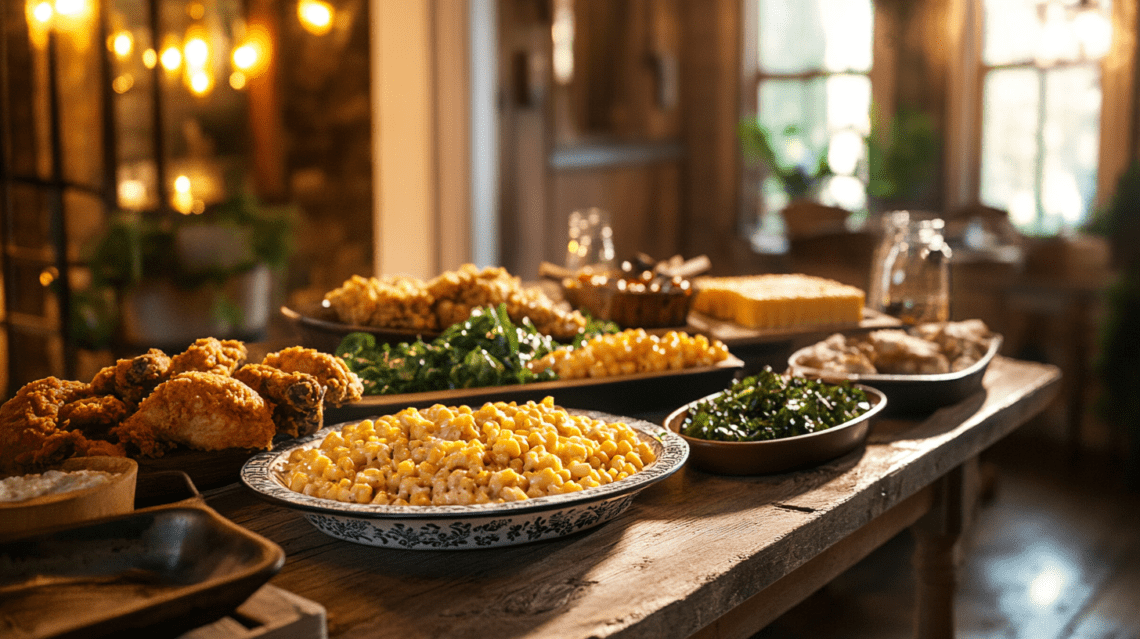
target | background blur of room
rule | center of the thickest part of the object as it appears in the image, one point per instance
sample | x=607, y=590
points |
x=281, y=146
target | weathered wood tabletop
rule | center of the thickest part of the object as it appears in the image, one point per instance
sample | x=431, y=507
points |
x=695, y=554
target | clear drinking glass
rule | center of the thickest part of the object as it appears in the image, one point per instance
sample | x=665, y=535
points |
x=591, y=240
x=910, y=279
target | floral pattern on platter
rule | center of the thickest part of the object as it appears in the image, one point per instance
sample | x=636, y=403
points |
x=474, y=526
x=452, y=534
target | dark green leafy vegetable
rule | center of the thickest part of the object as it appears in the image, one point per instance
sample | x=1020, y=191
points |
x=485, y=350
x=769, y=406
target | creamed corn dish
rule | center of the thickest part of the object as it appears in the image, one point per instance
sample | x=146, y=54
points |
x=459, y=455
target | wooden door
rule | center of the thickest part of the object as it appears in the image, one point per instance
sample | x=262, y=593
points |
x=589, y=116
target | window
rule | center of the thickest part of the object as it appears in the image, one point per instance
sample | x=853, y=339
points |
x=1041, y=106
x=811, y=65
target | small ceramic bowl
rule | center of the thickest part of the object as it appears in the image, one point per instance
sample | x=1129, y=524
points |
x=114, y=497
x=777, y=455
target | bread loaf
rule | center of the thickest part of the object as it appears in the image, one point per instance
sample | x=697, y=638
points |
x=778, y=300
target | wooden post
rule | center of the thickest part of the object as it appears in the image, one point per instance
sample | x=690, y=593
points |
x=935, y=560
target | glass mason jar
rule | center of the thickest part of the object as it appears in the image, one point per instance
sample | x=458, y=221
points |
x=910, y=278
x=591, y=240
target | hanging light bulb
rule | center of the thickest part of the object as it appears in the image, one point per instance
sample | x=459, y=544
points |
x=201, y=82
x=39, y=15
x=171, y=58
x=251, y=57
x=196, y=53
x=182, y=199
x=245, y=57
x=42, y=12
x=316, y=16
x=70, y=7
x=121, y=43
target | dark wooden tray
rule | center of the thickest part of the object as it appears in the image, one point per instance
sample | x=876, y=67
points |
x=154, y=572
x=624, y=394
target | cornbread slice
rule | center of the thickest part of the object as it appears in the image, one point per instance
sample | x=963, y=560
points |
x=778, y=300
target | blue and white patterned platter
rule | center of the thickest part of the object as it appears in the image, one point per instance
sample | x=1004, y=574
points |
x=474, y=526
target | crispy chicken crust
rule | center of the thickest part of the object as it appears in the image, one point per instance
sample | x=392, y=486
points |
x=94, y=416
x=202, y=398
x=30, y=433
x=210, y=355
x=133, y=379
x=204, y=411
x=341, y=385
x=297, y=398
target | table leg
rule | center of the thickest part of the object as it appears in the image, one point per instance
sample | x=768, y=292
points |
x=935, y=559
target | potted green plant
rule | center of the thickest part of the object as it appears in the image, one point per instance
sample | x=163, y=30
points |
x=1118, y=357
x=902, y=156
x=798, y=177
x=165, y=280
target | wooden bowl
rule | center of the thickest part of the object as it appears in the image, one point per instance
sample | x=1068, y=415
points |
x=319, y=328
x=113, y=497
x=777, y=455
x=630, y=309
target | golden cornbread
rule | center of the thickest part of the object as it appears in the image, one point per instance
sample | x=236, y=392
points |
x=458, y=455
x=778, y=300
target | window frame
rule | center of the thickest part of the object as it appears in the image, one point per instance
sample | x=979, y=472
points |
x=883, y=61
x=965, y=104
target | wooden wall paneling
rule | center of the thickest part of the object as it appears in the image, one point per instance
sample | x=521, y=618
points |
x=710, y=86
x=524, y=77
x=963, y=153
x=452, y=101
x=643, y=202
x=266, y=123
x=1119, y=111
x=916, y=46
x=625, y=66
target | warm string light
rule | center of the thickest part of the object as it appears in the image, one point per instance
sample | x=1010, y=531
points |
x=70, y=17
x=171, y=58
x=121, y=43
x=183, y=200
x=316, y=16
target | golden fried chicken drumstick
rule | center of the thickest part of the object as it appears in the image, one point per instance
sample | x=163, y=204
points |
x=210, y=355
x=204, y=411
x=35, y=430
x=133, y=379
x=297, y=398
x=341, y=385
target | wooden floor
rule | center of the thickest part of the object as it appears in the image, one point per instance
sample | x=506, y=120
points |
x=1055, y=554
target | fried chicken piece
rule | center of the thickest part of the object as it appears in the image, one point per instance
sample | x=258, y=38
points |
x=203, y=411
x=210, y=355
x=93, y=416
x=341, y=385
x=899, y=353
x=297, y=398
x=30, y=434
x=835, y=354
x=133, y=379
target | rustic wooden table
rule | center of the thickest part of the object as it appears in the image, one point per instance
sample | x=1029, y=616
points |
x=697, y=554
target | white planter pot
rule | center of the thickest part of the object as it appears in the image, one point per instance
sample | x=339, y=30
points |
x=157, y=313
